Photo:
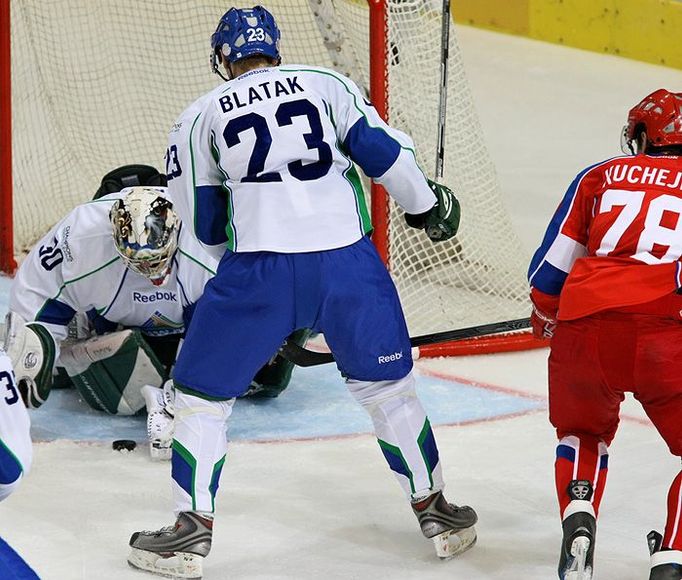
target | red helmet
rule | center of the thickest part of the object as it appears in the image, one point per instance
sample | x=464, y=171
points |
x=659, y=115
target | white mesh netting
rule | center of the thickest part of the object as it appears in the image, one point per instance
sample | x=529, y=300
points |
x=97, y=84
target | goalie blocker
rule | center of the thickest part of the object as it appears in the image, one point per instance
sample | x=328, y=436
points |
x=32, y=351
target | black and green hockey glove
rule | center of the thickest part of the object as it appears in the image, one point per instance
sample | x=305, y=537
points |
x=441, y=222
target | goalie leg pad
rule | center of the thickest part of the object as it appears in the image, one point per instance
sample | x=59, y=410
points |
x=160, y=415
x=110, y=370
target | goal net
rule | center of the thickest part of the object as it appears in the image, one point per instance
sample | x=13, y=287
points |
x=98, y=83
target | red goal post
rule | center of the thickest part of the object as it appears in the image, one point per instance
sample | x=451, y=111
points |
x=7, y=262
x=389, y=47
x=380, y=46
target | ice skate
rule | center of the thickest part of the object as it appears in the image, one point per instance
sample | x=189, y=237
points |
x=160, y=420
x=577, y=549
x=450, y=527
x=174, y=551
x=665, y=564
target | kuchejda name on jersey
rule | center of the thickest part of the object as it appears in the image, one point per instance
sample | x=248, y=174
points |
x=640, y=175
x=267, y=90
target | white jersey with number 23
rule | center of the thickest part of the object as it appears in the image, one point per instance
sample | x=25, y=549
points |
x=266, y=162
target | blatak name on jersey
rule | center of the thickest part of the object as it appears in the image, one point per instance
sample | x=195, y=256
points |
x=264, y=91
x=639, y=175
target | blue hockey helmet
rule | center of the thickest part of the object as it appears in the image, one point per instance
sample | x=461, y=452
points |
x=244, y=32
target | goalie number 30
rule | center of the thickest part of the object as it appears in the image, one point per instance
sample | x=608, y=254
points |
x=50, y=255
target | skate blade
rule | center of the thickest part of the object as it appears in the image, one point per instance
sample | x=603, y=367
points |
x=180, y=565
x=578, y=568
x=452, y=543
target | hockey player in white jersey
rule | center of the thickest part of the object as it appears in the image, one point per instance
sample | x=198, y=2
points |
x=16, y=455
x=15, y=439
x=262, y=169
x=113, y=308
x=122, y=264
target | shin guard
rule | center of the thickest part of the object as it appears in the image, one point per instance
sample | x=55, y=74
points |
x=199, y=447
x=404, y=433
x=580, y=458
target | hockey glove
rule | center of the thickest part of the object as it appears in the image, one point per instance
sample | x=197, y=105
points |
x=442, y=220
x=32, y=350
x=543, y=319
x=542, y=323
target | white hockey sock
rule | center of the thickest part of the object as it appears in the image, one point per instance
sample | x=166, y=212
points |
x=199, y=447
x=403, y=431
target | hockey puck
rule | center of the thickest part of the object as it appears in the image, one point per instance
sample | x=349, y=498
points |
x=124, y=445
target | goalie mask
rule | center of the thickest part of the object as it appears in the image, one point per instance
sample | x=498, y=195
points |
x=145, y=230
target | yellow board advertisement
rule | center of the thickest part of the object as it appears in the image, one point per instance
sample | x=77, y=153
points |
x=647, y=30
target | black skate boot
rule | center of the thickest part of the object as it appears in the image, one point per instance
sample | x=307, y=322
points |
x=576, y=561
x=661, y=566
x=450, y=527
x=174, y=551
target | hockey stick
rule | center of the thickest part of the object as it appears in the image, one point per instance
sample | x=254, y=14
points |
x=303, y=357
x=442, y=105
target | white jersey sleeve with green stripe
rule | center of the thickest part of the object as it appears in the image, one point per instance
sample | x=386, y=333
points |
x=15, y=439
x=71, y=265
x=265, y=162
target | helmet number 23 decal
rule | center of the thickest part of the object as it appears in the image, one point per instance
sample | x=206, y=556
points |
x=255, y=35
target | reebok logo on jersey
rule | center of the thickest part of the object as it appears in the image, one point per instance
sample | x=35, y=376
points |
x=387, y=358
x=155, y=297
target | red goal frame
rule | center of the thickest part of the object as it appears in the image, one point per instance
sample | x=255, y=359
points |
x=379, y=92
x=7, y=262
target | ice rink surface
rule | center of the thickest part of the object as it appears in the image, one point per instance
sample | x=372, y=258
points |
x=305, y=493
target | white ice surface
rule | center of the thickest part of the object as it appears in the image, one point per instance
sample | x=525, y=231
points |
x=329, y=508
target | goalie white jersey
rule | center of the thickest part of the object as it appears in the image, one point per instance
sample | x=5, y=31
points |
x=15, y=439
x=231, y=175
x=75, y=268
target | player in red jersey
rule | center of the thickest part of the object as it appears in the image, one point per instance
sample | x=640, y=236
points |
x=605, y=285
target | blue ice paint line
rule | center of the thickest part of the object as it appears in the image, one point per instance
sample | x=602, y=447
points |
x=315, y=405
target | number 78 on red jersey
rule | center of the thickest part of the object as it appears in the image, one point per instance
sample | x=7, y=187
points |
x=618, y=232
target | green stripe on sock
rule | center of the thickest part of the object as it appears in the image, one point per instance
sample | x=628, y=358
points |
x=425, y=432
x=215, y=477
x=192, y=462
x=393, y=451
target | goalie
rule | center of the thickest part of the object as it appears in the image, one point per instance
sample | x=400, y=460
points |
x=103, y=300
